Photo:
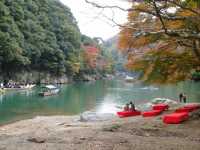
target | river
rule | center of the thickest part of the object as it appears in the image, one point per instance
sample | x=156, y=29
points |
x=100, y=96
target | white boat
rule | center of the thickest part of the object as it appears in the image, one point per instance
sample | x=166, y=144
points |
x=49, y=90
x=129, y=79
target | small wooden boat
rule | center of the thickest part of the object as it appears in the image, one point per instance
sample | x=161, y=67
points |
x=49, y=90
x=175, y=118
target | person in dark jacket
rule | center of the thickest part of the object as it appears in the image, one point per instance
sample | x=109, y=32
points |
x=184, y=98
x=132, y=106
x=180, y=97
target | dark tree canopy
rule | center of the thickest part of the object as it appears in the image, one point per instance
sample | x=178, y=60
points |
x=37, y=35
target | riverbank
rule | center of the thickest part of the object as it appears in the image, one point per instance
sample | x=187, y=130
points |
x=35, y=77
x=61, y=132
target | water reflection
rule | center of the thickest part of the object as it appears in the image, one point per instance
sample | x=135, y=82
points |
x=151, y=88
x=108, y=105
x=1, y=98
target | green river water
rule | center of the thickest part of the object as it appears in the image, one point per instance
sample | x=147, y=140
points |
x=100, y=96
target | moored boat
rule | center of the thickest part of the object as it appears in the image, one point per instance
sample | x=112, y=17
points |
x=20, y=87
x=49, y=90
x=129, y=79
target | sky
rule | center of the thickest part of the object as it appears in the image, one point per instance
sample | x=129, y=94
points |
x=95, y=22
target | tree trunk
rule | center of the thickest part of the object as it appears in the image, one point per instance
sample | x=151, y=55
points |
x=196, y=48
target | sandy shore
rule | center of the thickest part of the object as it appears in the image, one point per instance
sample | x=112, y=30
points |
x=67, y=133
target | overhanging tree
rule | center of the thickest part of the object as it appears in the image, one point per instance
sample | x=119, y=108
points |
x=161, y=25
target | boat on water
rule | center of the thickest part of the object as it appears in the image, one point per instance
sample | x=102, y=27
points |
x=129, y=79
x=49, y=90
x=20, y=87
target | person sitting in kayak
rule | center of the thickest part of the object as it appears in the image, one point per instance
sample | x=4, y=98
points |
x=132, y=106
x=126, y=107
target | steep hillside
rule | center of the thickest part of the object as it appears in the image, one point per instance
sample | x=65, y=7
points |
x=39, y=35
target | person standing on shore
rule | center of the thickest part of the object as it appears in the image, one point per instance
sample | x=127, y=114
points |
x=180, y=97
x=184, y=98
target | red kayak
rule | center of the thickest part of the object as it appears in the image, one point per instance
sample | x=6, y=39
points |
x=175, y=118
x=188, y=108
x=151, y=113
x=122, y=114
x=160, y=107
x=184, y=109
x=192, y=106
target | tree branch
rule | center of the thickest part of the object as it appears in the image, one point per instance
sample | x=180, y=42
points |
x=100, y=6
x=185, y=44
x=159, y=16
x=182, y=33
x=165, y=16
x=183, y=7
x=156, y=11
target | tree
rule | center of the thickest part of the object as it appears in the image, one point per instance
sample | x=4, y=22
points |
x=166, y=30
x=168, y=25
x=12, y=55
x=37, y=35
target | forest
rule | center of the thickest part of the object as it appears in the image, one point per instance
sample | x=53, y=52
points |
x=161, y=39
x=39, y=38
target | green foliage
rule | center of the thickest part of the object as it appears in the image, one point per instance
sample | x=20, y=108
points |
x=95, y=59
x=87, y=40
x=191, y=3
x=164, y=66
x=37, y=34
x=196, y=75
x=111, y=49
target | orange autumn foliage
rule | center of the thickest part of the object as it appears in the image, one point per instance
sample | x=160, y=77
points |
x=90, y=55
x=160, y=57
x=163, y=66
